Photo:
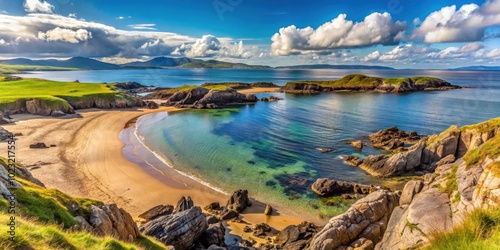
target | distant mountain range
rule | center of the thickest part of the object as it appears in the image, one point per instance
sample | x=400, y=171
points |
x=484, y=68
x=184, y=62
x=329, y=66
x=158, y=62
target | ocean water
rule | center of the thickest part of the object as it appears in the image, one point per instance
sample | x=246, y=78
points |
x=270, y=148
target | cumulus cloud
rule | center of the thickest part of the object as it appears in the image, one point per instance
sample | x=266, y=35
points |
x=471, y=47
x=65, y=35
x=493, y=54
x=38, y=6
x=211, y=46
x=376, y=28
x=466, y=24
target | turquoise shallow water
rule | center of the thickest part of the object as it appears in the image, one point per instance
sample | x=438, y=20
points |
x=269, y=148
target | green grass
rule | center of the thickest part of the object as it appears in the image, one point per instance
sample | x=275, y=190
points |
x=451, y=184
x=483, y=126
x=490, y=149
x=359, y=80
x=480, y=230
x=16, y=69
x=31, y=234
x=53, y=93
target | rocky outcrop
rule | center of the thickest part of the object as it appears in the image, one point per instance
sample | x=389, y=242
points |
x=357, y=144
x=239, y=201
x=40, y=107
x=326, y=187
x=296, y=237
x=213, y=236
x=180, y=230
x=352, y=160
x=113, y=221
x=268, y=210
x=156, y=212
x=366, y=219
x=216, y=99
x=357, y=82
x=393, y=138
x=184, y=204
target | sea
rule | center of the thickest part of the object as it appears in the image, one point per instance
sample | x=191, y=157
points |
x=270, y=148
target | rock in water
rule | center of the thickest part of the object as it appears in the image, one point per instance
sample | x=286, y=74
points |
x=393, y=138
x=367, y=218
x=239, y=201
x=184, y=204
x=180, y=230
x=357, y=144
x=324, y=150
x=268, y=210
x=326, y=187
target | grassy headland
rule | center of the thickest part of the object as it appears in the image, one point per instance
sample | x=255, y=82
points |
x=18, y=69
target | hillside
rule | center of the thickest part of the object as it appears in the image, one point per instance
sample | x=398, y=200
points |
x=358, y=82
x=330, y=66
x=479, y=68
x=45, y=97
x=218, y=64
x=74, y=62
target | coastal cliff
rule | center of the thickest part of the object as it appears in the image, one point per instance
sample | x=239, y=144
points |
x=358, y=82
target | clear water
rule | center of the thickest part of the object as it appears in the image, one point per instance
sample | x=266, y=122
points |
x=269, y=148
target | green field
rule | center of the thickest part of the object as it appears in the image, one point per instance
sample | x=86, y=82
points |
x=16, y=69
x=55, y=94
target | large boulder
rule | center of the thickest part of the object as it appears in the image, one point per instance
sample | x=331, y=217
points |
x=367, y=218
x=184, y=204
x=156, y=212
x=326, y=187
x=113, y=221
x=219, y=98
x=399, y=163
x=239, y=201
x=296, y=237
x=40, y=107
x=214, y=235
x=442, y=145
x=180, y=230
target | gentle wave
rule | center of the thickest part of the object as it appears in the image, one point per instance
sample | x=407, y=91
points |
x=141, y=140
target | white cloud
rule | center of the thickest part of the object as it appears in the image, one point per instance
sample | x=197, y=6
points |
x=463, y=25
x=65, y=35
x=143, y=26
x=211, y=46
x=493, y=54
x=38, y=6
x=471, y=47
x=376, y=28
x=374, y=56
x=72, y=15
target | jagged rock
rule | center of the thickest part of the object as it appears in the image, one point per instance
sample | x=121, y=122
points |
x=442, y=145
x=156, y=212
x=5, y=135
x=367, y=218
x=327, y=187
x=409, y=191
x=392, y=138
x=268, y=210
x=214, y=235
x=264, y=99
x=184, y=204
x=384, y=166
x=274, y=98
x=113, y=221
x=446, y=160
x=193, y=96
x=296, y=237
x=357, y=144
x=487, y=192
x=180, y=230
x=239, y=201
x=212, y=207
x=362, y=244
x=247, y=229
x=152, y=105
x=410, y=225
x=211, y=219
x=262, y=230
x=129, y=85
x=228, y=214
x=352, y=160
x=83, y=225
x=215, y=99
x=38, y=145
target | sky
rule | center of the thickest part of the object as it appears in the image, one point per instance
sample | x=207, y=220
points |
x=398, y=33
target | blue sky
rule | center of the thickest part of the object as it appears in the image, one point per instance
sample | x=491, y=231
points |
x=401, y=33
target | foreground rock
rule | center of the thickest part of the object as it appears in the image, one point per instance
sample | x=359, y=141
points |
x=393, y=138
x=180, y=230
x=327, y=187
x=296, y=237
x=110, y=220
x=156, y=212
x=365, y=221
x=239, y=201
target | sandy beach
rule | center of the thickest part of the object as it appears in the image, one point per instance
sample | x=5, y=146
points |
x=88, y=161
